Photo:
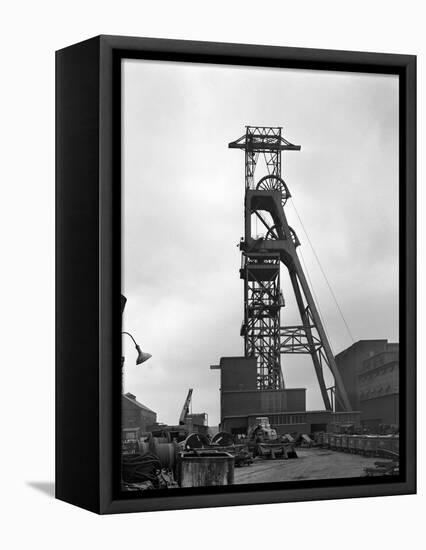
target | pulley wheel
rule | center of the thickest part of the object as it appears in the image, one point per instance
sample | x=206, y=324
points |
x=274, y=183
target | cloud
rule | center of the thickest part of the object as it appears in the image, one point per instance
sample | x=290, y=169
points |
x=183, y=197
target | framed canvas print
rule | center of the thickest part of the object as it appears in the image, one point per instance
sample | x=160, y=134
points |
x=235, y=274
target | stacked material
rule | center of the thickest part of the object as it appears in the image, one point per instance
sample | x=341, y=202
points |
x=367, y=445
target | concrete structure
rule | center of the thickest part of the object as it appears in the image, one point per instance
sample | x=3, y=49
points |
x=370, y=371
x=134, y=414
x=241, y=402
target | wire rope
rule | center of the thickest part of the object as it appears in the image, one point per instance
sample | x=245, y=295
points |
x=323, y=273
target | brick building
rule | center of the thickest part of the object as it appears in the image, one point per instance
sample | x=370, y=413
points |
x=136, y=415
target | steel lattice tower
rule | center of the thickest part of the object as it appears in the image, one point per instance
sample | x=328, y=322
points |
x=263, y=334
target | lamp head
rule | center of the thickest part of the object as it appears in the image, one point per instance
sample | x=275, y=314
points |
x=142, y=356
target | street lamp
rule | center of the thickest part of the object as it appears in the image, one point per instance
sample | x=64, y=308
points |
x=142, y=355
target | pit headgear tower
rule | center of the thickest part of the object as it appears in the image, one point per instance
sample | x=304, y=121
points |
x=264, y=337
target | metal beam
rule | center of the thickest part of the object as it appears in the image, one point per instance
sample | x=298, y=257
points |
x=263, y=335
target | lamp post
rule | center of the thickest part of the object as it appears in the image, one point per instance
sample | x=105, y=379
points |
x=142, y=355
x=141, y=358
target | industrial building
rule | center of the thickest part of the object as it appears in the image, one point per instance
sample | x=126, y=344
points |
x=370, y=372
x=134, y=414
x=241, y=402
x=254, y=386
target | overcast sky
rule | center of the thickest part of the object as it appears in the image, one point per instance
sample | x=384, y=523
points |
x=183, y=193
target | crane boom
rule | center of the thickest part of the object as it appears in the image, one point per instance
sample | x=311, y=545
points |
x=185, y=409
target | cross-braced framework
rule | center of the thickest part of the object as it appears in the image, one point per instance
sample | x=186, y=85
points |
x=261, y=327
x=264, y=337
x=266, y=141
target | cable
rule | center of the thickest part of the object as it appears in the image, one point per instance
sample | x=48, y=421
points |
x=137, y=468
x=323, y=273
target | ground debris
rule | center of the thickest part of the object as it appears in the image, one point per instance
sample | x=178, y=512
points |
x=143, y=486
x=166, y=480
x=143, y=472
x=388, y=468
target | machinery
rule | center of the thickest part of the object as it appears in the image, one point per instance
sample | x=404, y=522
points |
x=262, y=432
x=187, y=424
x=266, y=443
x=266, y=195
x=130, y=440
x=185, y=408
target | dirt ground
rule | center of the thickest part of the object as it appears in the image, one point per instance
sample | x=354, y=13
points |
x=312, y=464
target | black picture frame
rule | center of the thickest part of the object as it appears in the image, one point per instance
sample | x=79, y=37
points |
x=88, y=271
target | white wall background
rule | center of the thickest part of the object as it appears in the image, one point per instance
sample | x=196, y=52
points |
x=30, y=32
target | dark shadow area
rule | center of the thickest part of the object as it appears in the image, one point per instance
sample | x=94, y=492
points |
x=46, y=487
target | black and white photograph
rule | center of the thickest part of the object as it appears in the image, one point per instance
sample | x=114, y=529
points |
x=213, y=233
x=260, y=275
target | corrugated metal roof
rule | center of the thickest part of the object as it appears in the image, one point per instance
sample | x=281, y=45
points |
x=136, y=402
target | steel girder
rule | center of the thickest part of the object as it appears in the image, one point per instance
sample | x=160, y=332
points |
x=261, y=328
x=263, y=335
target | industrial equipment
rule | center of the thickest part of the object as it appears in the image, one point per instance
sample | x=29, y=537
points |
x=224, y=441
x=204, y=468
x=261, y=431
x=386, y=446
x=306, y=441
x=262, y=256
x=265, y=442
x=185, y=408
x=130, y=440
